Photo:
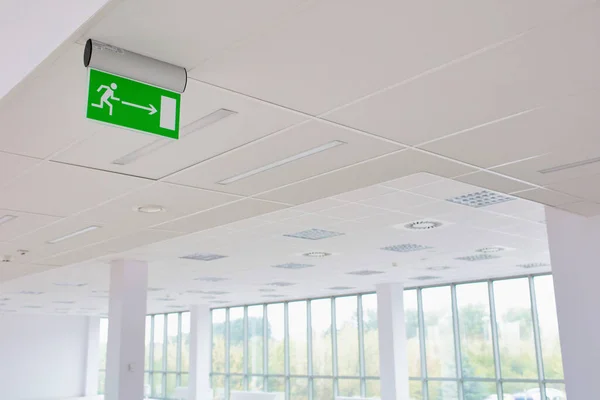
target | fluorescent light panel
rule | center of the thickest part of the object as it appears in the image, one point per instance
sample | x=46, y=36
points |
x=197, y=125
x=6, y=218
x=284, y=161
x=76, y=233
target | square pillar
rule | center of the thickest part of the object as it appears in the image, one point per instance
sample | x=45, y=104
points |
x=92, y=357
x=393, y=358
x=200, y=348
x=574, y=243
x=126, y=330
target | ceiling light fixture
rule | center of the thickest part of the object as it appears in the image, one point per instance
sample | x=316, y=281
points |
x=293, y=266
x=480, y=199
x=150, y=209
x=159, y=143
x=203, y=257
x=477, y=257
x=569, y=165
x=405, y=247
x=439, y=268
x=70, y=284
x=424, y=278
x=316, y=254
x=491, y=249
x=365, y=272
x=7, y=218
x=284, y=161
x=533, y=265
x=314, y=234
x=340, y=288
x=76, y=233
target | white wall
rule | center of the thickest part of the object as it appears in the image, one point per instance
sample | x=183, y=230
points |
x=42, y=357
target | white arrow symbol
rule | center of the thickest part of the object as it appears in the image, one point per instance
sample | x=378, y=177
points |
x=152, y=109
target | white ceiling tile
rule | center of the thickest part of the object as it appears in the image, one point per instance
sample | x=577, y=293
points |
x=398, y=201
x=252, y=121
x=445, y=189
x=585, y=187
x=375, y=171
x=585, y=208
x=302, y=138
x=61, y=190
x=494, y=182
x=545, y=196
x=222, y=215
x=364, y=194
x=412, y=181
x=320, y=205
x=351, y=211
x=11, y=165
x=286, y=64
x=14, y=270
x=22, y=224
x=282, y=215
x=309, y=221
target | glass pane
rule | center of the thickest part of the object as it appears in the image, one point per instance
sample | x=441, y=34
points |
x=218, y=383
x=298, y=339
x=411, y=320
x=346, y=312
x=256, y=383
x=546, y=308
x=370, y=339
x=184, y=380
x=147, y=342
x=157, y=385
x=322, y=388
x=218, y=340
x=276, y=333
x=171, y=384
x=349, y=387
x=147, y=391
x=475, y=330
x=101, y=382
x=276, y=384
x=255, y=340
x=159, y=338
x=236, y=340
x=477, y=390
x=515, y=329
x=103, y=342
x=439, y=332
x=373, y=388
x=521, y=390
x=236, y=383
x=416, y=390
x=321, y=337
x=442, y=390
x=172, y=337
x=299, y=389
x=185, y=341
x=556, y=391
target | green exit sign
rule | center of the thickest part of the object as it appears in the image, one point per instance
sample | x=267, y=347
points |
x=130, y=104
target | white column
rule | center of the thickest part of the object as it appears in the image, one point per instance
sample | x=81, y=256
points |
x=126, y=330
x=200, y=347
x=92, y=357
x=575, y=253
x=393, y=361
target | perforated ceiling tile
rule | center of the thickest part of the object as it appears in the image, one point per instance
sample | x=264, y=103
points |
x=405, y=248
x=424, y=278
x=203, y=257
x=293, y=266
x=483, y=198
x=477, y=257
x=533, y=265
x=314, y=234
x=341, y=288
x=281, y=284
x=210, y=279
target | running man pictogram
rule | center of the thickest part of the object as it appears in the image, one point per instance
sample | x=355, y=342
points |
x=109, y=94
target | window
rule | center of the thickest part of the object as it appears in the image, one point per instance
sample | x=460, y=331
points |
x=474, y=341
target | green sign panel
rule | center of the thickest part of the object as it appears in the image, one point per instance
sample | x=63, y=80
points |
x=134, y=105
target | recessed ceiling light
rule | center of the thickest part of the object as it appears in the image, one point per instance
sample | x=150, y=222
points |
x=210, y=279
x=31, y=292
x=203, y=257
x=165, y=299
x=293, y=266
x=266, y=290
x=70, y=284
x=150, y=209
x=272, y=296
x=281, y=284
x=6, y=218
x=219, y=302
x=281, y=162
x=154, y=289
x=423, y=225
x=424, y=278
x=492, y=249
x=174, y=306
x=479, y=199
x=314, y=234
x=32, y=306
x=342, y=288
x=365, y=272
x=316, y=254
x=477, y=257
x=405, y=247
x=76, y=233
x=216, y=292
x=64, y=302
x=439, y=268
x=159, y=143
x=534, y=265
